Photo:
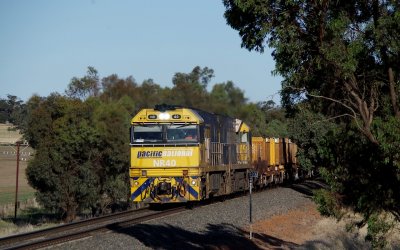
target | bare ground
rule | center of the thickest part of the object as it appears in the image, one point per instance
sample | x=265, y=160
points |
x=300, y=228
x=305, y=228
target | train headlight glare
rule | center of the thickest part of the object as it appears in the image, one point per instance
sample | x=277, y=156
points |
x=164, y=116
x=193, y=183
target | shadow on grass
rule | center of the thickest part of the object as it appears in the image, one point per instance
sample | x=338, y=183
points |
x=308, y=187
x=216, y=236
x=33, y=216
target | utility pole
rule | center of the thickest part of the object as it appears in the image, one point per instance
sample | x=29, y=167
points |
x=252, y=175
x=251, y=208
x=16, y=182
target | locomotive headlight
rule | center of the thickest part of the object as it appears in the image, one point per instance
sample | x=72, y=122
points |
x=133, y=182
x=193, y=183
x=164, y=116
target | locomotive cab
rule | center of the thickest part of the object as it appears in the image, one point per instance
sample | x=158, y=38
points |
x=165, y=155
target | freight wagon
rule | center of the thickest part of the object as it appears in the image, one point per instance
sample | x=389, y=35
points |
x=275, y=160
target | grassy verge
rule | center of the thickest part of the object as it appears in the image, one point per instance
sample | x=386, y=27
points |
x=9, y=197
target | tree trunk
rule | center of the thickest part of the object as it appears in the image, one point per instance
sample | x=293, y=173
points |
x=70, y=215
x=70, y=210
x=364, y=110
x=393, y=95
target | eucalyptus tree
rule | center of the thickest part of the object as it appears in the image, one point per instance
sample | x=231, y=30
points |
x=86, y=86
x=275, y=118
x=114, y=88
x=150, y=94
x=190, y=89
x=12, y=110
x=226, y=98
x=343, y=52
x=342, y=59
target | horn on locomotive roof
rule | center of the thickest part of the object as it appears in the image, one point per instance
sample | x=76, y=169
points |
x=164, y=107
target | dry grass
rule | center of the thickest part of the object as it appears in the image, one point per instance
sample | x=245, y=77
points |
x=8, y=134
x=9, y=228
x=304, y=228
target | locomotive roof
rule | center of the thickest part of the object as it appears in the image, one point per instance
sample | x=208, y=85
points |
x=167, y=115
x=172, y=113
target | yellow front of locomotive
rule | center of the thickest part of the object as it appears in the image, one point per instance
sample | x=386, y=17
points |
x=165, y=155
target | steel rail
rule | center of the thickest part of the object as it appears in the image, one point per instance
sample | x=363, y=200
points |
x=115, y=226
x=9, y=241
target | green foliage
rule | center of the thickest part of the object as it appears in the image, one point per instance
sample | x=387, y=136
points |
x=328, y=203
x=346, y=160
x=190, y=90
x=387, y=133
x=63, y=169
x=12, y=110
x=82, y=153
x=226, y=98
x=255, y=118
x=314, y=135
x=112, y=122
x=377, y=229
x=150, y=94
x=340, y=69
x=277, y=128
x=115, y=88
x=275, y=119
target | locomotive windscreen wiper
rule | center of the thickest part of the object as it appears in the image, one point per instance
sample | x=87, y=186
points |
x=184, y=125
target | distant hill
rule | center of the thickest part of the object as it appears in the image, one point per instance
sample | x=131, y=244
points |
x=9, y=134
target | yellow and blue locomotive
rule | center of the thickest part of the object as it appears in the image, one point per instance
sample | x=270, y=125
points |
x=184, y=154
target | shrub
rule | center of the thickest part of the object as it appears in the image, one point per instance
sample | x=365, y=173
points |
x=377, y=230
x=327, y=203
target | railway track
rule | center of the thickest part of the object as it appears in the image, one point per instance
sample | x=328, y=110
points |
x=82, y=229
x=113, y=222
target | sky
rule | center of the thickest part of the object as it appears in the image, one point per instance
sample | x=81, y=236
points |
x=45, y=43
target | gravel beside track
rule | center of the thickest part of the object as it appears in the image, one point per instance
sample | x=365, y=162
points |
x=221, y=225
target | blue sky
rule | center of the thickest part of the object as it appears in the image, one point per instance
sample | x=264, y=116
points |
x=44, y=43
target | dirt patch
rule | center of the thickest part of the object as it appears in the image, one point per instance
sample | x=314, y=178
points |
x=293, y=226
x=305, y=228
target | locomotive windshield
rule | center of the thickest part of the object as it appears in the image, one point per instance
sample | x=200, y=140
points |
x=181, y=133
x=166, y=133
x=147, y=133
